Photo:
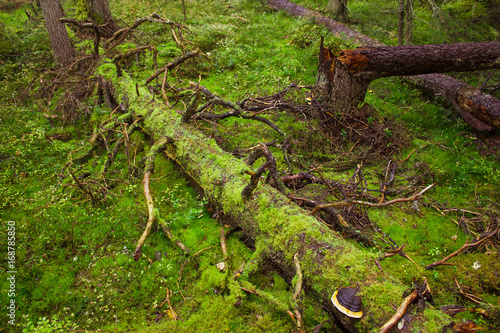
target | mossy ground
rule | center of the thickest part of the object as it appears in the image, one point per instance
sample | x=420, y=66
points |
x=74, y=259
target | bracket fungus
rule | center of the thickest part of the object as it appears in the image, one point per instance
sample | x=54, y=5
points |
x=346, y=301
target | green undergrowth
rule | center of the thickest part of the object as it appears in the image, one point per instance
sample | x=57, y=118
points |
x=74, y=258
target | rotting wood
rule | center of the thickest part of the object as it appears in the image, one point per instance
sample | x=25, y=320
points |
x=480, y=110
x=278, y=228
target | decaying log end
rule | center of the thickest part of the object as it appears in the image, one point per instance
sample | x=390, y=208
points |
x=355, y=60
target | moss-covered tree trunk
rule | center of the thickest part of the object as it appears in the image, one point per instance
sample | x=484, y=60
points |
x=279, y=228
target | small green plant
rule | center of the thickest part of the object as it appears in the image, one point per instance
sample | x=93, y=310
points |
x=48, y=325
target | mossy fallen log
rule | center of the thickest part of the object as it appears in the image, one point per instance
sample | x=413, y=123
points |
x=279, y=228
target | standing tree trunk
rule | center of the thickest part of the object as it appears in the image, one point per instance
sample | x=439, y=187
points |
x=401, y=22
x=345, y=78
x=100, y=13
x=409, y=22
x=59, y=40
x=338, y=9
x=405, y=22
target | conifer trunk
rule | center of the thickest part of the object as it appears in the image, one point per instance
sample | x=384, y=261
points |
x=59, y=40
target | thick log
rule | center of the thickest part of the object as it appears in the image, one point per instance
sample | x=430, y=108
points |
x=480, y=110
x=280, y=229
x=383, y=61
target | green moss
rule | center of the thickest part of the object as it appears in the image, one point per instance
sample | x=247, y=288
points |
x=433, y=321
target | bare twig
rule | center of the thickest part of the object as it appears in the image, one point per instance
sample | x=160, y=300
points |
x=223, y=242
x=177, y=61
x=414, y=197
x=147, y=194
x=463, y=247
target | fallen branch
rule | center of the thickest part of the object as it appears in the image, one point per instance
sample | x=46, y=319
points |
x=177, y=61
x=148, y=170
x=396, y=251
x=414, y=197
x=399, y=312
x=122, y=33
x=463, y=247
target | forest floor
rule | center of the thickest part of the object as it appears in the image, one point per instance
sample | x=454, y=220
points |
x=73, y=255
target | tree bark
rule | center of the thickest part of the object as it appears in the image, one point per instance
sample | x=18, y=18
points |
x=487, y=105
x=409, y=22
x=345, y=78
x=59, y=40
x=401, y=22
x=280, y=230
x=338, y=9
x=100, y=13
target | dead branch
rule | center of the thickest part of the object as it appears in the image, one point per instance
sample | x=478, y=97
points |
x=269, y=165
x=463, y=247
x=396, y=251
x=416, y=196
x=471, y=297
x=223, y=242
x=81, y=186
x=148, y=170
x=298, y=286
x=117, y=59
x=399, y=312
x=177, y=61
x=88, y=25
x=237, y=110
x=191, y=257
x=122, y=33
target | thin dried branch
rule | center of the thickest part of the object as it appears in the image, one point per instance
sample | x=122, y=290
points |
x=462, y=248
x=122, y=33
x=177, y=61
x=416, y=196
x=148, y=170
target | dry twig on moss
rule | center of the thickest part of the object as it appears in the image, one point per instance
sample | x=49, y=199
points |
x=414, y=197
x=463, y=247
x=399, y=312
